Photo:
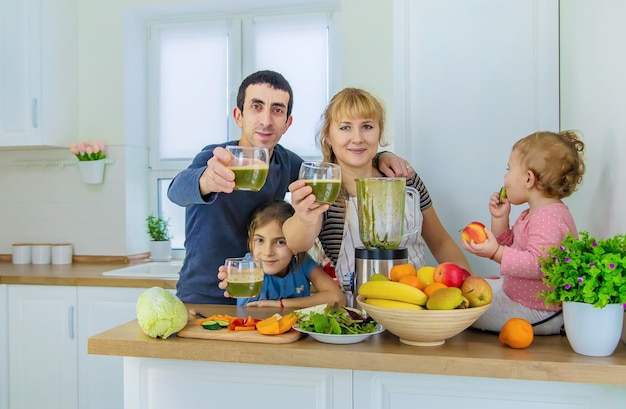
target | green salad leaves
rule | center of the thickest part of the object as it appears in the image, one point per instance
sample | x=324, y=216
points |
x=325, y=319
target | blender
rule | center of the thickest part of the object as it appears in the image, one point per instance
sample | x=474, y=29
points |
x=381, y=206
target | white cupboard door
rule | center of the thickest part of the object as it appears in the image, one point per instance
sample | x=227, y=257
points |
x=101, y=382
x=385, y=390
x=165, y=384
x=4, y=348
x=19, y=62
x=38, y=72
x=43, y=347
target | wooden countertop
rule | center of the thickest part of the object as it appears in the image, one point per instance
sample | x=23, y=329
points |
x=76, y=274
x=549, y=358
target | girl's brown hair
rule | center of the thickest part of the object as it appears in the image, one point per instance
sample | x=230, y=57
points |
x=350, y=103
x=556, y=159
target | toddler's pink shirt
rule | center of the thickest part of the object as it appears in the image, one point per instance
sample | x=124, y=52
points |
x=524, y=243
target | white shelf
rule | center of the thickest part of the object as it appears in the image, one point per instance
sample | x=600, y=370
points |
x=53, y=163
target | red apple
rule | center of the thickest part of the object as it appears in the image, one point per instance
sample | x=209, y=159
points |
x=449, y=274
x=477, y=291
x=465, y=273
x=474, y=231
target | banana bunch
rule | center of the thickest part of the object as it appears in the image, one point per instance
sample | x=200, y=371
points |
x=391, y=294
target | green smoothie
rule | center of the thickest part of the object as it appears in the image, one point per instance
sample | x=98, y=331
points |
x=325, y=190
x=244, y=289
x=250, y=177
x=245, y=283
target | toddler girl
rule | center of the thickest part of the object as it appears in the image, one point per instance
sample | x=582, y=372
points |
x=543, y=168
x=288, y=277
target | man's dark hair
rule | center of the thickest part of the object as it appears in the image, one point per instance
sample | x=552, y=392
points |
x=273, y=79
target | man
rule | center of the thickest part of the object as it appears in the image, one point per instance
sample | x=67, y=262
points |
x=217, y=216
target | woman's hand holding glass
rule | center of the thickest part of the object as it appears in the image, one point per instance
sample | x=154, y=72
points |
x=324, y=178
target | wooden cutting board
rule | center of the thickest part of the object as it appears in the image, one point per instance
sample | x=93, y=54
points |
x=193, y=330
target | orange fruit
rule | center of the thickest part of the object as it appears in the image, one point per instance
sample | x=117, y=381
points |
x=413, y=281
x=431, y=288
x=402, y=270
x=517, y=333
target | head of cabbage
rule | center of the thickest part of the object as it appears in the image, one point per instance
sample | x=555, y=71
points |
x=160, y=313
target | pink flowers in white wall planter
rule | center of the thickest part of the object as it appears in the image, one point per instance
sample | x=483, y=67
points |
x=88, y=152
x=91, y=161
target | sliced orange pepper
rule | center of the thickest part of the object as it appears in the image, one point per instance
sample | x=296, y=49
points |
x=216, y=317
x=268, y=326
x=223, y=317
x=286, y=322
x=244, y=328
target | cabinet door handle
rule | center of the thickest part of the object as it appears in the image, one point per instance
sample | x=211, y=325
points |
x=33, y=112
x=70, y=319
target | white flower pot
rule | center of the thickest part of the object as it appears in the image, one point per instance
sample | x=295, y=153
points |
x=593, y=331
x=92, y=171
x=160, y=250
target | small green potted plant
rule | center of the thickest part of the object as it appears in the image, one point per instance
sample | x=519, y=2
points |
x=588, y=276
x=160, y=239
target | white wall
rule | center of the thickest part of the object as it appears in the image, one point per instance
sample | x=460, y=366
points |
x=480, y=75
x=593, y=100
x=50, y=204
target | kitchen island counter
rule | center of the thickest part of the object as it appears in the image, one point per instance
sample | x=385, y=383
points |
x=76, y=274
x=470, y=354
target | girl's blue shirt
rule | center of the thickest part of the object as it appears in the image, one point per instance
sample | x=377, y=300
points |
x=295, y=284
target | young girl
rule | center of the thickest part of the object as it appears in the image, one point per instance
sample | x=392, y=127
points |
x=543, y=168
x=288, y=277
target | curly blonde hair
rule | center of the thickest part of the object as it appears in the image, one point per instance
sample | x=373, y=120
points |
x=556, y=159
x=349, y=103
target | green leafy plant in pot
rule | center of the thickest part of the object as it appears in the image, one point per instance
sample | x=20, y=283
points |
x=160, y=244
x=588, y=276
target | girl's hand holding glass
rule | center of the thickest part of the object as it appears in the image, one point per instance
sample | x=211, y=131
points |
x=244, y=277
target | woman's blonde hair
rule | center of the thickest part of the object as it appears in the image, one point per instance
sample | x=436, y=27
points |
x=556, y=159
x=350, y=103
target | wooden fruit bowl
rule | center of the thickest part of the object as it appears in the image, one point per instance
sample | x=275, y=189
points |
x=423, y=327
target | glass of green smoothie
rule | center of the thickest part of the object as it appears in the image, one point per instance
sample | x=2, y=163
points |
x=250, y=164
x=245, y=277
x=324, y=178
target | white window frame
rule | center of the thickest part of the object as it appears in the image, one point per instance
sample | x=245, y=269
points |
x=237, y=24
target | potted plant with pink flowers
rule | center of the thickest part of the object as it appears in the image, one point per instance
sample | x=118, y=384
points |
x=90, y=160
x=588, y=277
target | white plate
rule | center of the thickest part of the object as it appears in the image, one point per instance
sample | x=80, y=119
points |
x=341, y=338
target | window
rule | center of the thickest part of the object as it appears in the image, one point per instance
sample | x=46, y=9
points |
x=194, y=73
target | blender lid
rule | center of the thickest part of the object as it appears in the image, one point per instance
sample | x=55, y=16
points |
x=381, y=254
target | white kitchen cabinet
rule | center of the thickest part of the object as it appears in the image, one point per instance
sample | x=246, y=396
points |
x=4, y=348
x=48, y=365
x=100, y=381
x=164, y=384
x=43, y=362
x=374, y=390
x=38, y=72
